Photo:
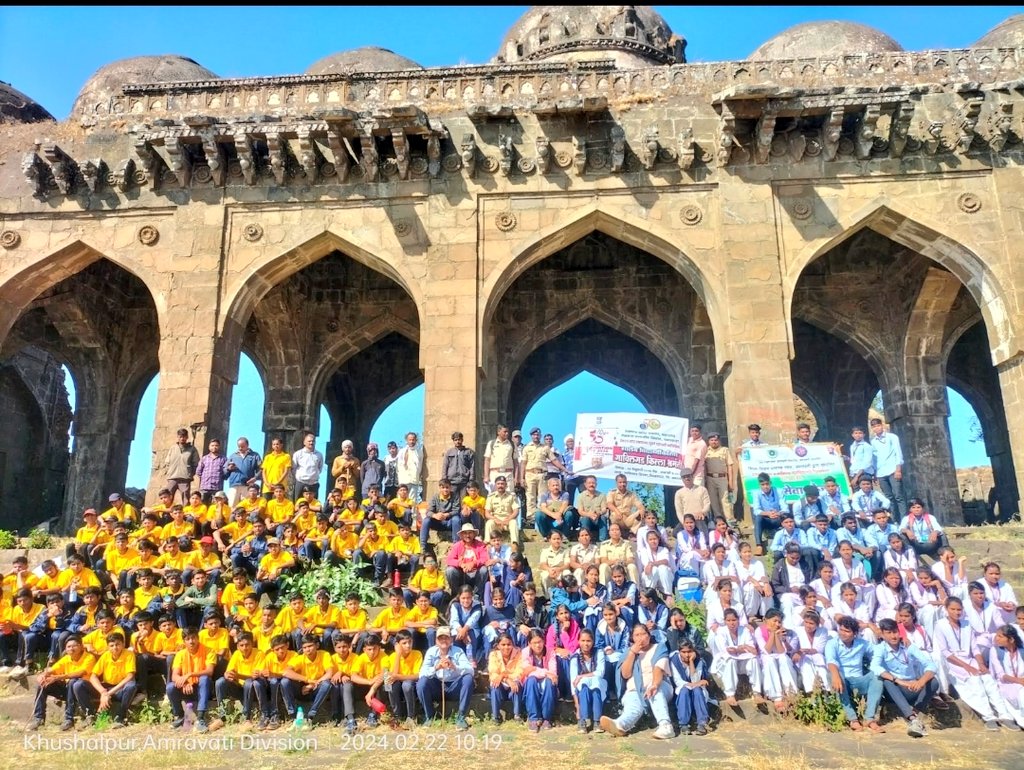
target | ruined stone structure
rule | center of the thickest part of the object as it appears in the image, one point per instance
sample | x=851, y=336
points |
x=831, y=217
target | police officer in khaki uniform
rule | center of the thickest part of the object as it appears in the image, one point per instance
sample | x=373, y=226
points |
x=719, y=475
x=499, y=458
x=533, y=470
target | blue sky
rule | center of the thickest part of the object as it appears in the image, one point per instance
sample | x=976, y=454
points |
x=49, y=53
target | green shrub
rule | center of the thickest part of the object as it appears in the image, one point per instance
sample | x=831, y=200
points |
x=821, y=708
x=8, y=539
x=40, y=538
x=340, y=581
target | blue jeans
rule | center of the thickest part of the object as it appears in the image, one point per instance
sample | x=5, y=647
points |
x=633, y=707
x=692, y=703
x=869, y=685
x=63, y=690
x=892, y=488
x=502, y=693
x=201, y=691
x=245, y=691
x=764, y=524
x=452, y=524
x=539, y=696
x=292, y=692
x=591, y=703
x=909, y=702
x=429, y=690
x=89, y=699
x=546, y=525
x=598, y=529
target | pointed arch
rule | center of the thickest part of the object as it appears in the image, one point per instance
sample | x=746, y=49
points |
x=23, y=287
x=642, y=235
x=930, y=241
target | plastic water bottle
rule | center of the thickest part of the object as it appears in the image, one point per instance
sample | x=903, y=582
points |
x=300, y=719
x=387, y=679
x=190, y=716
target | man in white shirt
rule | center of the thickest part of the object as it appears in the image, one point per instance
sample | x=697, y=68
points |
x=889, y=466
x=410, y=466
x=307, y=465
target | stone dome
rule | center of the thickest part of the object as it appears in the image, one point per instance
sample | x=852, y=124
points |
x=632, y=35
x=109, y=79
x=15, y=107
x=1006, y=34
x=369, y=58
x=819, y=39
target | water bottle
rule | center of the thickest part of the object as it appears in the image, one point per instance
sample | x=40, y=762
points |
x=387, y=679
x=300, y=719
x=396, y=579
x=190, y=716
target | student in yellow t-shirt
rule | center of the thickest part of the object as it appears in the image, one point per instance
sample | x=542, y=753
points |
x=143, y=644
x=307, y=676
x=280, y=510
x=178, y=526
x=473, y=505
x=147, y=590
x=343, y=659
x=274, y=664
x=403, y=672
x=113, y=678
x=269, y=627
x=404, y=549
x=215, y=638
x=86, y=535
x=150, y=531
x=119, y=559
x=172, y=558
x=204, y=558
x=352, y=621
x=63, y=681
x=236, y=531
x=391, y=619
x=96, y=640
x=371, y=553
x=401, y=507
x=323, y=618
x=77, y=577
x=13, y=630
x=385, y=527
x=368, y=672
x=242, y=681
x=430, y=580
x=253, y=502
x=422, y=620
x=121, y=510
x=271, y=566
x=351, y=513
x=196, y=512
x=293, y=617
x=276, y=465
x=191, y=672
x=306, y=520
x=233, y=593
x=168, y=643
x=344, y=542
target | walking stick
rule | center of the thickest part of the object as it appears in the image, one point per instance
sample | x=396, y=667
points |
x=443, y=688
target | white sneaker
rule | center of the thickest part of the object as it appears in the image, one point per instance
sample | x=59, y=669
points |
x=915, y=728
x=665, y=732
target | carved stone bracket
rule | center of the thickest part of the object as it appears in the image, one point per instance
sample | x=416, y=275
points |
x=34, y=169
x=340, y=150
x=62, y=166
x=618, y=149
x=687, y=151
x=997, y=125
x=94, y=172
x=401, y=143
x=215, y=158
x=959, y=134
x=309, y=157
x=649, y=148
x=899, y=128
x=180, y=162
x=832, y=132
x=579, y=153
x=125, y=175
x=370, y=161
x=277, y=149
x=507, y=154
x=763, y=136
x=468, y=154
x=434, y=155
x=152, y=163
x=865, y=135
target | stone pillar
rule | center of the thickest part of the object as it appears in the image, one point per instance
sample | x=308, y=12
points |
x=284, y=408
x=928, y=469
x=1007, y=496
x=1011, y=383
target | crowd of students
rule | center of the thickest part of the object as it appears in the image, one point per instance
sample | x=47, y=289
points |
x=186, y=600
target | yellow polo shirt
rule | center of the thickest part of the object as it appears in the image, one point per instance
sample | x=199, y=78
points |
x=111, y=671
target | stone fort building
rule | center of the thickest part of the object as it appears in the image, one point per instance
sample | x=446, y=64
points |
x=830, y=217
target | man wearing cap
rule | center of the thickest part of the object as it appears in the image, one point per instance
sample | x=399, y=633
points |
x=533, y=469
x=466, y=561
x=372, y=470
x=121, y=510
x=85, y=537
x=693, y=500
x=502, y=512
x=693, y=453
x=243, y=470
x=753, y=436
x=500, y=458
x=205, y=558
x=211, y=471
x=445, y=668
x=181, y=462
x=889, y=466
x=458, y=465
x=719, y=476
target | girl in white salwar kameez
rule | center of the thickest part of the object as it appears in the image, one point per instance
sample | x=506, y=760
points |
x=982, y=615
x=1006, y=663
x=851, y=570
x=1000, y=593
x=928, y=597
x=890, y=594
x=736, y=655
x=756, y=588
x=950, y=570
x=656, y=565
x=902, y=557
x=775, y=645
x=717, y=609
x=809, y=655
x=849, y=604
x=716, y=568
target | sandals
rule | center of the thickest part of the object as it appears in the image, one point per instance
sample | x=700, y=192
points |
x=874, y=727
x=856, y=726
